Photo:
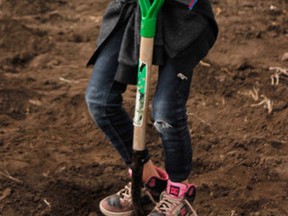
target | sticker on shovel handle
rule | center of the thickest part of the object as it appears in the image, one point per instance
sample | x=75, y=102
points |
x=140, y=94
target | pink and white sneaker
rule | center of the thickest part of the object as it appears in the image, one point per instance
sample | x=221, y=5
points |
x=176, y=200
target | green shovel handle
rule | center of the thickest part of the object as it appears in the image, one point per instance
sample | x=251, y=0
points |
x=149, y=15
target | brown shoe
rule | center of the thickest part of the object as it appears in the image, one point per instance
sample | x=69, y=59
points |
x=120, y=204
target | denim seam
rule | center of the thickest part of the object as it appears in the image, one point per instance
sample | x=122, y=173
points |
x=113, y=128
x=182, y=177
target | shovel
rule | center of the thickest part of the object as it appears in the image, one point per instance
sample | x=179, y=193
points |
x=149, y=14
x=148, y=28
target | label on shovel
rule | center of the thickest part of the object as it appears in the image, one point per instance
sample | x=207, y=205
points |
x=140, y=94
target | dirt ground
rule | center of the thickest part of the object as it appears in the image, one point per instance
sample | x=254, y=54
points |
x=54, y=161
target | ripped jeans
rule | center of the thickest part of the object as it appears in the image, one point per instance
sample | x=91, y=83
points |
x=104, y=100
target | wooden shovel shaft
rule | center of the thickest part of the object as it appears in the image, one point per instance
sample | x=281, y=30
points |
x=140, y=120
x=146, y=53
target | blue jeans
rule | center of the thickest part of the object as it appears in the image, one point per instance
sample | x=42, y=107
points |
x=104, y=100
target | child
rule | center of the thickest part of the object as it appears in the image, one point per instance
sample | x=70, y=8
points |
x=183, y=38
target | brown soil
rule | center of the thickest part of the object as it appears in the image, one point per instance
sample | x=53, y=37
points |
x=53, y=159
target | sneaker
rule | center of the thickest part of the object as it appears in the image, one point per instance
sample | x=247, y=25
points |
x=175, y=201
x=120, y=204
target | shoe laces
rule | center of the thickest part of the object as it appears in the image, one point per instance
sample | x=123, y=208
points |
x=168, y=203
x=125, y=193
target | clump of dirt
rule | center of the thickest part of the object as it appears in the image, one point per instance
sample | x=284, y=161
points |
x=55, y=161
x=20, y=44
x=17, y=103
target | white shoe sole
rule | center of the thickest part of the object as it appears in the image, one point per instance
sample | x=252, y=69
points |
x=109, y=213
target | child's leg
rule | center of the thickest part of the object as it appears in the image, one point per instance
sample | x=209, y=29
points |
x=169, y=112
x=104, y=99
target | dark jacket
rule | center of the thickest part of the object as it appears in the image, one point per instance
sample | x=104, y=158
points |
x=184, y=36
